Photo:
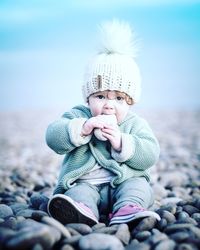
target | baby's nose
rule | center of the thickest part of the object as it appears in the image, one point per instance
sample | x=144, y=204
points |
x=109, y=103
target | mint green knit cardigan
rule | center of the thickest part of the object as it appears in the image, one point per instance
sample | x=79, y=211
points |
x=81, y=157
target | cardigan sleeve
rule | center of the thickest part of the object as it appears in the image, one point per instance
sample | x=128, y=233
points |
x=57, y=136
x=75, y=129
x=64, y=134
x=146, y=149
x=127, y=149
x=140, y=149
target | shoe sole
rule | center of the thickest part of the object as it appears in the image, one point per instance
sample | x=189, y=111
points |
x=133, y=217
x=63, y=209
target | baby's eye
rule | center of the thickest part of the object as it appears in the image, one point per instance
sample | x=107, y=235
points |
x=120, y=98
x=100, y=97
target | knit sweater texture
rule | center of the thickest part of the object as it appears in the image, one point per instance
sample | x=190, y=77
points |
x=140, y=148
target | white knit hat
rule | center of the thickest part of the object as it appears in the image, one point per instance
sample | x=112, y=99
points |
x=114, y=67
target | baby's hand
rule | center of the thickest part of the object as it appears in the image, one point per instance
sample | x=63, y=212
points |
x=110, y=120
x=92, y=123
x=113, y=134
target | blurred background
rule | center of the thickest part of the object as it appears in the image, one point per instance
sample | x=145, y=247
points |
x=45, y=45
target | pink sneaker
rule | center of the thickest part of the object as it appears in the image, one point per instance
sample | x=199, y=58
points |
x=66, y=210
x=130, y=213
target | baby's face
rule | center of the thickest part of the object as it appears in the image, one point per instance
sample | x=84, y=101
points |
x=109, y=103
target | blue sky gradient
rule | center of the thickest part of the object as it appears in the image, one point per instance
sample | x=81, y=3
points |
x=45, y=45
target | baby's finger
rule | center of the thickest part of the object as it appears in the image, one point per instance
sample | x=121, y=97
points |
x=108, y=131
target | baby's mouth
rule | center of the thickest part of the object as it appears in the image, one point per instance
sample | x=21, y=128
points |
x=108, y=113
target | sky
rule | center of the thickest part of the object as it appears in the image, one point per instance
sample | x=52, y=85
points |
x=46, y=44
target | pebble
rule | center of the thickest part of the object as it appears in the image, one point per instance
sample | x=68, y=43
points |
x=29, y=170
x=156, y=238
x=179, y=236
x=145, y=224
x=31, y=233
x=185, y=246
x=142, y=236
x=168, y=216
x=5, y=211
x=98, y=241
x=74, y=240
x=137, y=245
x=37, y=200
x=81, y=228
x=123, y=234
x=178, y=227
x=56, y=224
x=165, y=245
x=17, y=207
x=26, y=213
x=67, y=247
x=190, y=209
x=5, y=235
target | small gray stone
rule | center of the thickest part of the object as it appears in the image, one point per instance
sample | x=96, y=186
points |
x=11, y=223
x=16, y=207
x=123, y=234
x=56, y=224
x=156, y=238
x=161, y=224
x=107, y=230
x=191, y=209
x=141, y=236
x=31, y=233
x=97, y=241
x=80, y=227
x=197, y=203
x=135, y=245
x=170, y=200
x=26, y=213
x=179, y=236
x=177, y=227
x=20, y=199
x=73, y=240
x=43, y=207
x=181, y=216
x=196, y=232
x=188, y=220
x=20, y=219
x=170, y=207
x=67, y=247
x=186, y=246
x=98, y=225
x=38, y=215
x=5, y=235
x=5, y=211
x=196, y=217
x=145, y=225
x=165, y=245
x=73, y=231
x=37, y=246
x=38, y=199
x=170, y=218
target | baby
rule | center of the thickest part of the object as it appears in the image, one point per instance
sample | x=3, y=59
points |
x=108, y=148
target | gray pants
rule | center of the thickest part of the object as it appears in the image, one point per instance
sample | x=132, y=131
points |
x=103, y=199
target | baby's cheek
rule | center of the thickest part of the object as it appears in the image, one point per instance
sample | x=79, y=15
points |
x=94, y=111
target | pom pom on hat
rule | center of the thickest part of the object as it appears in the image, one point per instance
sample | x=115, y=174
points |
x=114, y=67
x=118, y=37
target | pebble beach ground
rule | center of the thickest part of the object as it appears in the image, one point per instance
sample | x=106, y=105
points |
x=28, y=173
